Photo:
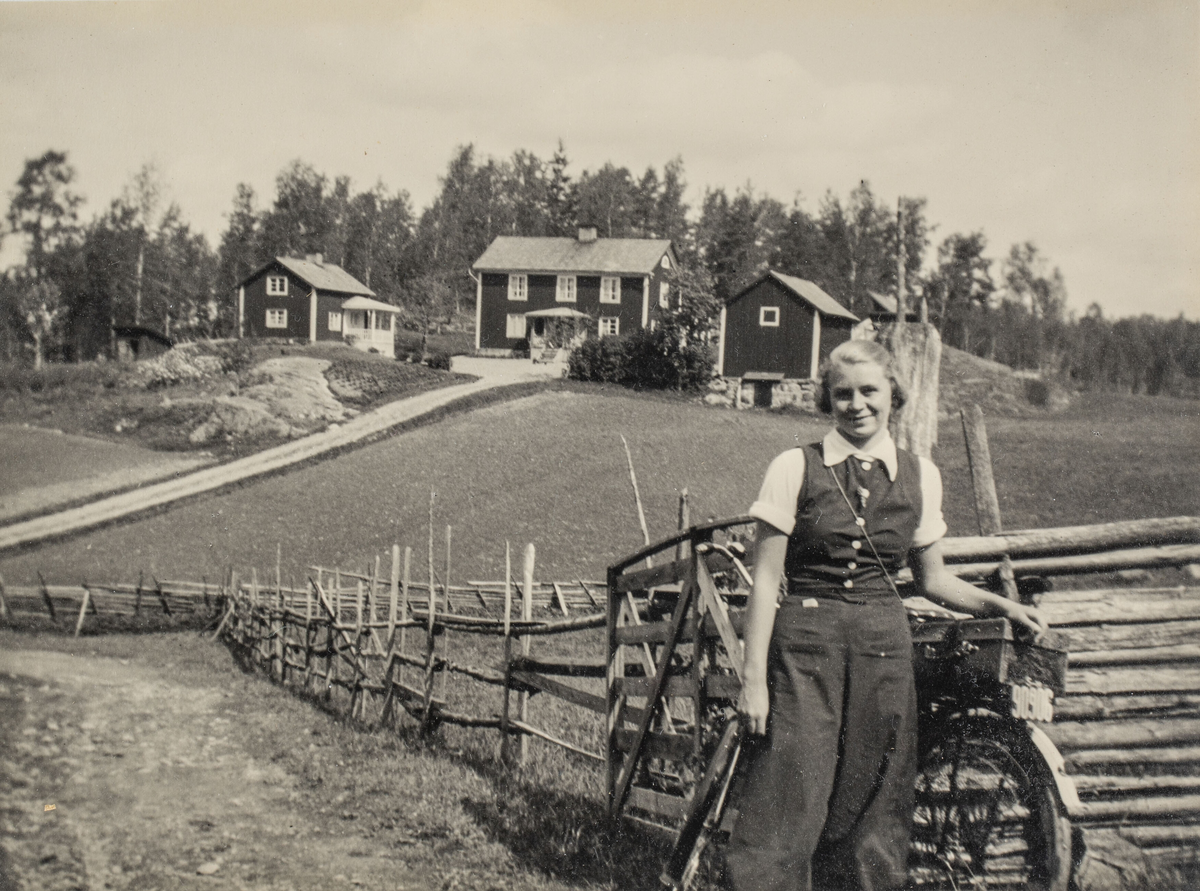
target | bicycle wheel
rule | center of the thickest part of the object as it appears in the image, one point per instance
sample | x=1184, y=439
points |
x=987, y=814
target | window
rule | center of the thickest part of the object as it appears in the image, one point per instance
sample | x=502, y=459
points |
x=277, y=285
x=610, y=289
x=768, y=316
x=335, y=321
x=565, y=292
x=610, y=326
x=518, y=287
x=666, y=262
x=515, y=326
x=664, y=295
x=276, y=318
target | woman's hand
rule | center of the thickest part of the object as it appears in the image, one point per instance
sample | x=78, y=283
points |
x=1028, y=616
x=754, y=705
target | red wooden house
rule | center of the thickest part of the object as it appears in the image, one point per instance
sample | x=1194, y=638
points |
x=606, y=286
x=311, y=300
x=780, y=327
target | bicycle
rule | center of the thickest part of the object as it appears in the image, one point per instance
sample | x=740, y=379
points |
x=991, y=793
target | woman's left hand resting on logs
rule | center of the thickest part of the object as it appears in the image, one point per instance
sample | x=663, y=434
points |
x=939, y=584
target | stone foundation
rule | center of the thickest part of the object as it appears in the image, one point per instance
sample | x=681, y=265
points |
x=733, y=392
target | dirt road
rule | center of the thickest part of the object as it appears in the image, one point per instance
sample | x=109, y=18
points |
x=182, y=772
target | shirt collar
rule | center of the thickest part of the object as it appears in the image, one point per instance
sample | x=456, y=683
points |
x=837, y=449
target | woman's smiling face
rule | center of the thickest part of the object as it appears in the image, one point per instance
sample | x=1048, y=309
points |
x=862, y=400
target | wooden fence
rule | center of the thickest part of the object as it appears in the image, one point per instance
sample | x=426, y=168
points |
x=385, y=640
x=119, y=605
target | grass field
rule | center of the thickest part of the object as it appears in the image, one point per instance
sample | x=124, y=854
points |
x=550, y=469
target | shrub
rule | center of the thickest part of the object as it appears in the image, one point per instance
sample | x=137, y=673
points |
x=438, y=359
x=643, y=360
x=600, y=360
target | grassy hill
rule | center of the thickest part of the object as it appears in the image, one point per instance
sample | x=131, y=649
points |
x=550, y=469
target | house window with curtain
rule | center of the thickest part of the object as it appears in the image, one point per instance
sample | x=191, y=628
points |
x=515, y=325
x=610, y=289
x=276, y=318
x=335, y=321
x=565, y=292
x=610, y=326
x=664, y=295
x=518, y=287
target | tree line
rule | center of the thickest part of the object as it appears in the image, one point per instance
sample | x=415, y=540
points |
x=138, y=262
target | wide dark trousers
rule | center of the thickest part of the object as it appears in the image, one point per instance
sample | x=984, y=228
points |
x=829, y=790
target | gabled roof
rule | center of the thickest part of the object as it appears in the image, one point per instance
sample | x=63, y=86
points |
x=322, y=276
x=512, y=253
x=886, y=304
x=805, y=290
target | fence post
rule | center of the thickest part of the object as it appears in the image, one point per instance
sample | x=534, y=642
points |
x=526, y=641
x=87, y=596
x=505, y=753
x=430, y=640
x=5, y=613
x=983, y=484
x=446, y=629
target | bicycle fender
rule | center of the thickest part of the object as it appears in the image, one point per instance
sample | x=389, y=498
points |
x=1067, y=793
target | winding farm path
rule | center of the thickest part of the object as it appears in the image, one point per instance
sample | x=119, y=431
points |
x=493, y=373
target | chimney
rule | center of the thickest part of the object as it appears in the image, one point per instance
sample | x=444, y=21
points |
x=587, y=234
x=315, y=258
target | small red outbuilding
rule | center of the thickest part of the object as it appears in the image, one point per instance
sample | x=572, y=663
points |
x=780, y=326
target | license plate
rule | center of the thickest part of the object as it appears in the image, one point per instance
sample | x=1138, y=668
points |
x=1031, y=703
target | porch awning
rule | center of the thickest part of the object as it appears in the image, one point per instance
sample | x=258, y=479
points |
x=368, y=303
x=558, y=312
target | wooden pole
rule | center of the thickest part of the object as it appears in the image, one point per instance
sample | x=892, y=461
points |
x=83, y=606
x=684, y=520
x=526, y=641
x=979, y=460
x=637, y=496
x=46, y=597
x=901, y=258
x=917, y=357
x=430, y=640
x=394, y=595
x=5, y=613
x=408, y=552
x=505, y=746
x=446, y=592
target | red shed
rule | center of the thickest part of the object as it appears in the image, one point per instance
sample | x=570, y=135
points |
x=780, y=325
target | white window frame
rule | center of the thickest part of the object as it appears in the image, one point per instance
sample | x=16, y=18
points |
x=515, y=322
x=335, y=320
x=280, y=317
x=274, y=286
x=564, y=289
x=664, y=295
x=610, y=289
x=518, y=286
x=613, y=323
x=768, y=316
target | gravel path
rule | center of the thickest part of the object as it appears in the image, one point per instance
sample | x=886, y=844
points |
x=120, y=774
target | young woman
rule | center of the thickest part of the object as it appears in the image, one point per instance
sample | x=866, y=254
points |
x=828, y=694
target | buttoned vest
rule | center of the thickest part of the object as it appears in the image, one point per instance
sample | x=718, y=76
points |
x=827, y=549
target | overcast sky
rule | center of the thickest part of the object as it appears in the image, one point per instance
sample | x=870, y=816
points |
x=1073, y=125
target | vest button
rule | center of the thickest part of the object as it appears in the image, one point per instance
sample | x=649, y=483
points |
x=852, y=565
x=860, y=521
x=849, y=583
x=856, y=545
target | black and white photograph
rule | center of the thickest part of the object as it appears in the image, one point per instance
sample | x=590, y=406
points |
x=560, y=446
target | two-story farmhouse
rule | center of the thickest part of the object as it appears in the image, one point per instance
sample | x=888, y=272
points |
x=609, y=285
x=780, y=327
x=311, y=300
